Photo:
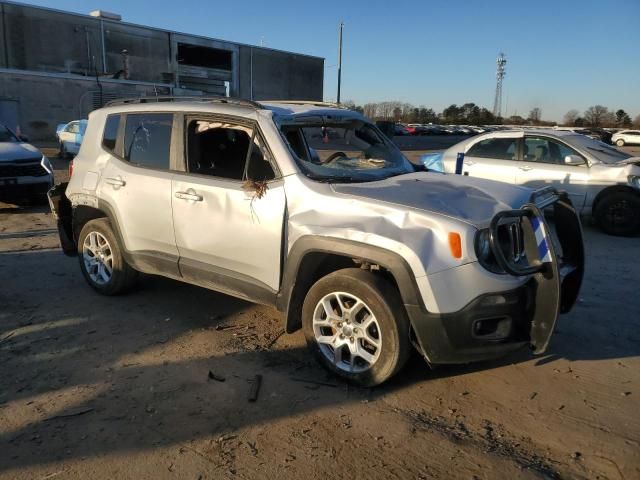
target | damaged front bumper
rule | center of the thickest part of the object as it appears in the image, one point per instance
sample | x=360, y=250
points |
x=494, y=324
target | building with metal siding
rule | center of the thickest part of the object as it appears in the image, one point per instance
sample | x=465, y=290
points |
x=57, y=66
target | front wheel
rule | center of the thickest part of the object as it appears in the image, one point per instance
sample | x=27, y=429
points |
x=619, y=213
x=620, y=142
x=356, y=325
x=101, y=259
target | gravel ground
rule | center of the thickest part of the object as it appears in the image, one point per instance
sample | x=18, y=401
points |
x=96, y=387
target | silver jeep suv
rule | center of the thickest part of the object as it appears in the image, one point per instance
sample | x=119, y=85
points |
x=308, y=207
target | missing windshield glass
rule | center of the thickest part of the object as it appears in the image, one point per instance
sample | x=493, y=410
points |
x=351, y=149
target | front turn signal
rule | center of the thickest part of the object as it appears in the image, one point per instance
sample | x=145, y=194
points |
x=455, y=244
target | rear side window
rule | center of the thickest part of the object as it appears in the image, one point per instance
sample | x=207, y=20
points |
x=147, y=139
x=110, y=133
x=499, y=148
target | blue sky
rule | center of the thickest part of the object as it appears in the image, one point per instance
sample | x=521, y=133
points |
x=561, y=54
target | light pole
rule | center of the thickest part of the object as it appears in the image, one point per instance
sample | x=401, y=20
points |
x=340, y=62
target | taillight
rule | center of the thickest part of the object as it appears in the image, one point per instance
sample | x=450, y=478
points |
x=70, y=168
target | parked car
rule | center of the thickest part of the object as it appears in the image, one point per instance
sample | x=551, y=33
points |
x=70, y=137
x=626, y=137
x=364, y=253
x=401, y=130
x=25, y=173
x=602, y=181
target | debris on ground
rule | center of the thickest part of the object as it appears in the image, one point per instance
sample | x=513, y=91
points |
x=216, y=377
x=255, y=388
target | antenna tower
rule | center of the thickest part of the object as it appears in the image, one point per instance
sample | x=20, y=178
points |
x=500, y=72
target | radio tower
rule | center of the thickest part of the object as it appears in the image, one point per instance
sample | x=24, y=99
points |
x=500, y=72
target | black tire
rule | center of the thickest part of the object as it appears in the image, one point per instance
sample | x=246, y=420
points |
x=384, y=302
x=618, y=213
x=620, y=142
x=122, y=275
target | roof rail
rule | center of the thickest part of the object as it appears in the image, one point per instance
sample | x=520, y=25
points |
x=308, y=102
x=179, y=98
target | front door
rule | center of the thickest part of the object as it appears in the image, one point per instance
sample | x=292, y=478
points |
x=543, y=164
x=136, y=185
x=229, y=207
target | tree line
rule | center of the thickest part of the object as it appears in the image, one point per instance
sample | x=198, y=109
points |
x=472, y=114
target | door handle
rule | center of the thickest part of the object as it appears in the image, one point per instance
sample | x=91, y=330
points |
x=115, y=181
x=468, y=162
x=189, y=196
x=526, y=168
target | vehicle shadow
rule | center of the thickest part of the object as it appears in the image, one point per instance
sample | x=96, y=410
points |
x=81, y=368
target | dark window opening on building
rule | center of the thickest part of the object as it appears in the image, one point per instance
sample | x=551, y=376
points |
x=197, y=56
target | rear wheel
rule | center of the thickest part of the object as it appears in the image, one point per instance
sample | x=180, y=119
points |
x=618, y=213
x=101, y=259
x=356, y=325
x=620, y=142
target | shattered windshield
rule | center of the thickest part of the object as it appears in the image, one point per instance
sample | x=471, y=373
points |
x=343, y=150
x=603, y=152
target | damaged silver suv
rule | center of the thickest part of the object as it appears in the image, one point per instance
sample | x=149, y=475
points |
x=308, y=207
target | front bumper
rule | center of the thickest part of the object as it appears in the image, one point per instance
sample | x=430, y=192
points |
x=25, y=187
x=495, y=324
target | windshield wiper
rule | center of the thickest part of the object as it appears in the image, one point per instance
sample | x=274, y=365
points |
x=611, y=152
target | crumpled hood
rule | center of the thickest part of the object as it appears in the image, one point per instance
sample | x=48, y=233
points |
x=626, y=161
x=11, y=151
x=472, y=200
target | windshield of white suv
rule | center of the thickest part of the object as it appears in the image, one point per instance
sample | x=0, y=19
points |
x=6, y=135
x=343, y=150
x=603, y=152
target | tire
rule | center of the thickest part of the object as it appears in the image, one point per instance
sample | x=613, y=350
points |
x=618, y=213
x=620, y=142
x=380, y=306
x=97, y=247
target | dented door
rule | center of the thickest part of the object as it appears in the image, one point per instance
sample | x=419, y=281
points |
x=223, y=229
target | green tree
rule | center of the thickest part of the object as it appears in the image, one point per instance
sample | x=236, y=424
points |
x=622, y=119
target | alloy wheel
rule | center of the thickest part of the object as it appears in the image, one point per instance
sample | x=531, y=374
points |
x=98, y=258
x=347, y=332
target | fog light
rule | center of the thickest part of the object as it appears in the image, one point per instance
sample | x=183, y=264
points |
x=493, y=329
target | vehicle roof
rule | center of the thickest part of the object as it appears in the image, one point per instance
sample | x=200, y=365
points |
x=277, y=107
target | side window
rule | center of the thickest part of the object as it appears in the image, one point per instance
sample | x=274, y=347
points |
x=220, y=149
x=544, y=150
x=110, y=134
x=147, y=139
x=499, y=148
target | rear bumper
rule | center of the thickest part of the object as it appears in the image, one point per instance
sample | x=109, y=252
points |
x=61, y=209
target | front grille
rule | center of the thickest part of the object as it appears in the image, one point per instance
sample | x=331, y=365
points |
x=23, y=170
x=511, y=241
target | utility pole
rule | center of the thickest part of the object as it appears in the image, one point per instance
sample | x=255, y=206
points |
x=340, y=62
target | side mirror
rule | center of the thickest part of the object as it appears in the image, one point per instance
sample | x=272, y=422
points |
x=23, y=138
x=573, y=160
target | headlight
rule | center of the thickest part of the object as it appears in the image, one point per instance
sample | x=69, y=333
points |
x=484, y=253
x=46, y=164
x=634, y=181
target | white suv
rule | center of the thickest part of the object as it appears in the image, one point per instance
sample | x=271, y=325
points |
x=310, y=208
x=626, y=137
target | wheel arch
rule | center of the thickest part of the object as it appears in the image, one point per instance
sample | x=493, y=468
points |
x=313, y=257
x=612, y=189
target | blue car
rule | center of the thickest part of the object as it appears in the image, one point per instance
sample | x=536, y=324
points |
x=70, y=137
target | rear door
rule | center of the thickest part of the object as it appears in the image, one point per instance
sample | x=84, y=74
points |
x=229, y=206
x=543, y=165
x=494, y=158
x=136, y=186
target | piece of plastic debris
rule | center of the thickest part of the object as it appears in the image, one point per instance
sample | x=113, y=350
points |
x=216, y=377
x=255, y=388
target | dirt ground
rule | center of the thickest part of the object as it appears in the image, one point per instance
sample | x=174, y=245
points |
x=95, y=387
